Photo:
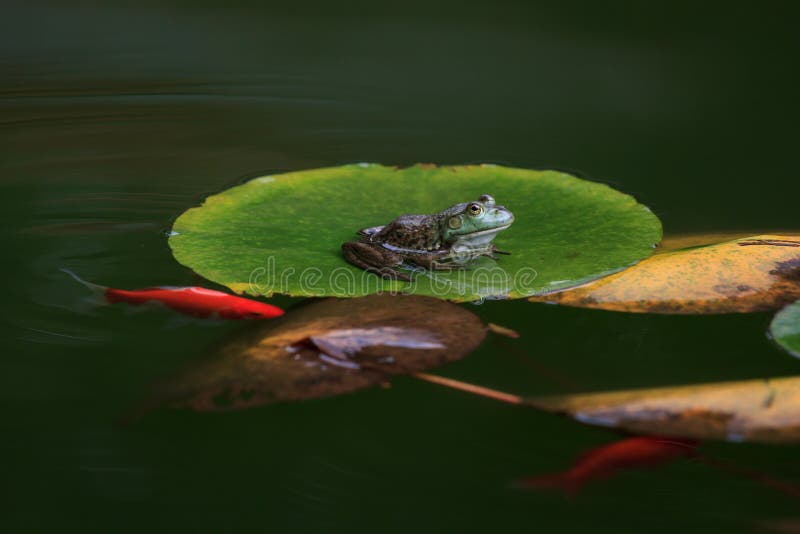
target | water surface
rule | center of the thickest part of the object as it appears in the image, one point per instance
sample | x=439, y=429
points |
x=113, y=120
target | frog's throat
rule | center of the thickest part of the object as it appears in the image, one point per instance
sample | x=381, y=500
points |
x=494, y=230
x=480, y=238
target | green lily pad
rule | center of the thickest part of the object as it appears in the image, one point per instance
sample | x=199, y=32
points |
x=283, y=234
x=785, y=328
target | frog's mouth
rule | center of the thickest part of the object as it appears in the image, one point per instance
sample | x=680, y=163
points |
x=481, y=237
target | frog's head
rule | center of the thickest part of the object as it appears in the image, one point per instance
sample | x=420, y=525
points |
x=476, y=222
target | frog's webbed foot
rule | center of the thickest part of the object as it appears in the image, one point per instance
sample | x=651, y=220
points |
x=432, y=262
x=439, y=266
x=493, y=251
x=380, y=262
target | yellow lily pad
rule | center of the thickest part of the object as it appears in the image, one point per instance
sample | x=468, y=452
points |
x=672, y=242
x=765, y=410
x=744, y=275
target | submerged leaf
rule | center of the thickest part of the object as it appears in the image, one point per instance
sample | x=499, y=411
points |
x=283, y=234
x=746, y=275
x=326, y=348
x=755, y=410
x=785, y=328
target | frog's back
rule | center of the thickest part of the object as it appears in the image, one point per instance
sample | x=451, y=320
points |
x=416, y=232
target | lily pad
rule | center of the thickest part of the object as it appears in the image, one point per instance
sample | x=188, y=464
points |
x=785, y=328
x=745, y=275
x=755, y=410
x=327, y=348
x=282, y=234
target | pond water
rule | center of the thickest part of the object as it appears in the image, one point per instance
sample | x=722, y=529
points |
x=116, y=119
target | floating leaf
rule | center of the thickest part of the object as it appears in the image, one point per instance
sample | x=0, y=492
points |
x=283, y=234
x=754, y=410
x=327, y=348
x=745, y=275
x=785, y=328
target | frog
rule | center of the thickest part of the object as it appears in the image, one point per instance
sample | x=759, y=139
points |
x=447, y=240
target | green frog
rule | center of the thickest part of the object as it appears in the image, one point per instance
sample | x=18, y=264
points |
x=443, y=241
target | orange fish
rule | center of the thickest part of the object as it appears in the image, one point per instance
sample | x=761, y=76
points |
x=196, y=301
x=607, y=460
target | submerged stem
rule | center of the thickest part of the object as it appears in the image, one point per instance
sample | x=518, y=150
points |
x=470, y=388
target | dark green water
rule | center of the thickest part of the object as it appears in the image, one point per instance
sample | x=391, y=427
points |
x=116, y=119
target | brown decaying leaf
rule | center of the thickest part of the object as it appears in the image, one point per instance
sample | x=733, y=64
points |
x=327, y=348
x=745, y=275
x=765, y=410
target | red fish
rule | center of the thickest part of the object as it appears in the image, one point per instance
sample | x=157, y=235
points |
x=196, y=301
x=607, y=460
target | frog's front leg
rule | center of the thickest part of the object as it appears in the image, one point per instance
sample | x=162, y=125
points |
x=374, y=259
x=492, y=252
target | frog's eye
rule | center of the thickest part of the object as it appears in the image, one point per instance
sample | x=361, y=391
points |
x=454, y=222
x=486, y=199
x=474, y=209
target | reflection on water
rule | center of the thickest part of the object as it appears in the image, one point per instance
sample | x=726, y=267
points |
x=114, y=119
